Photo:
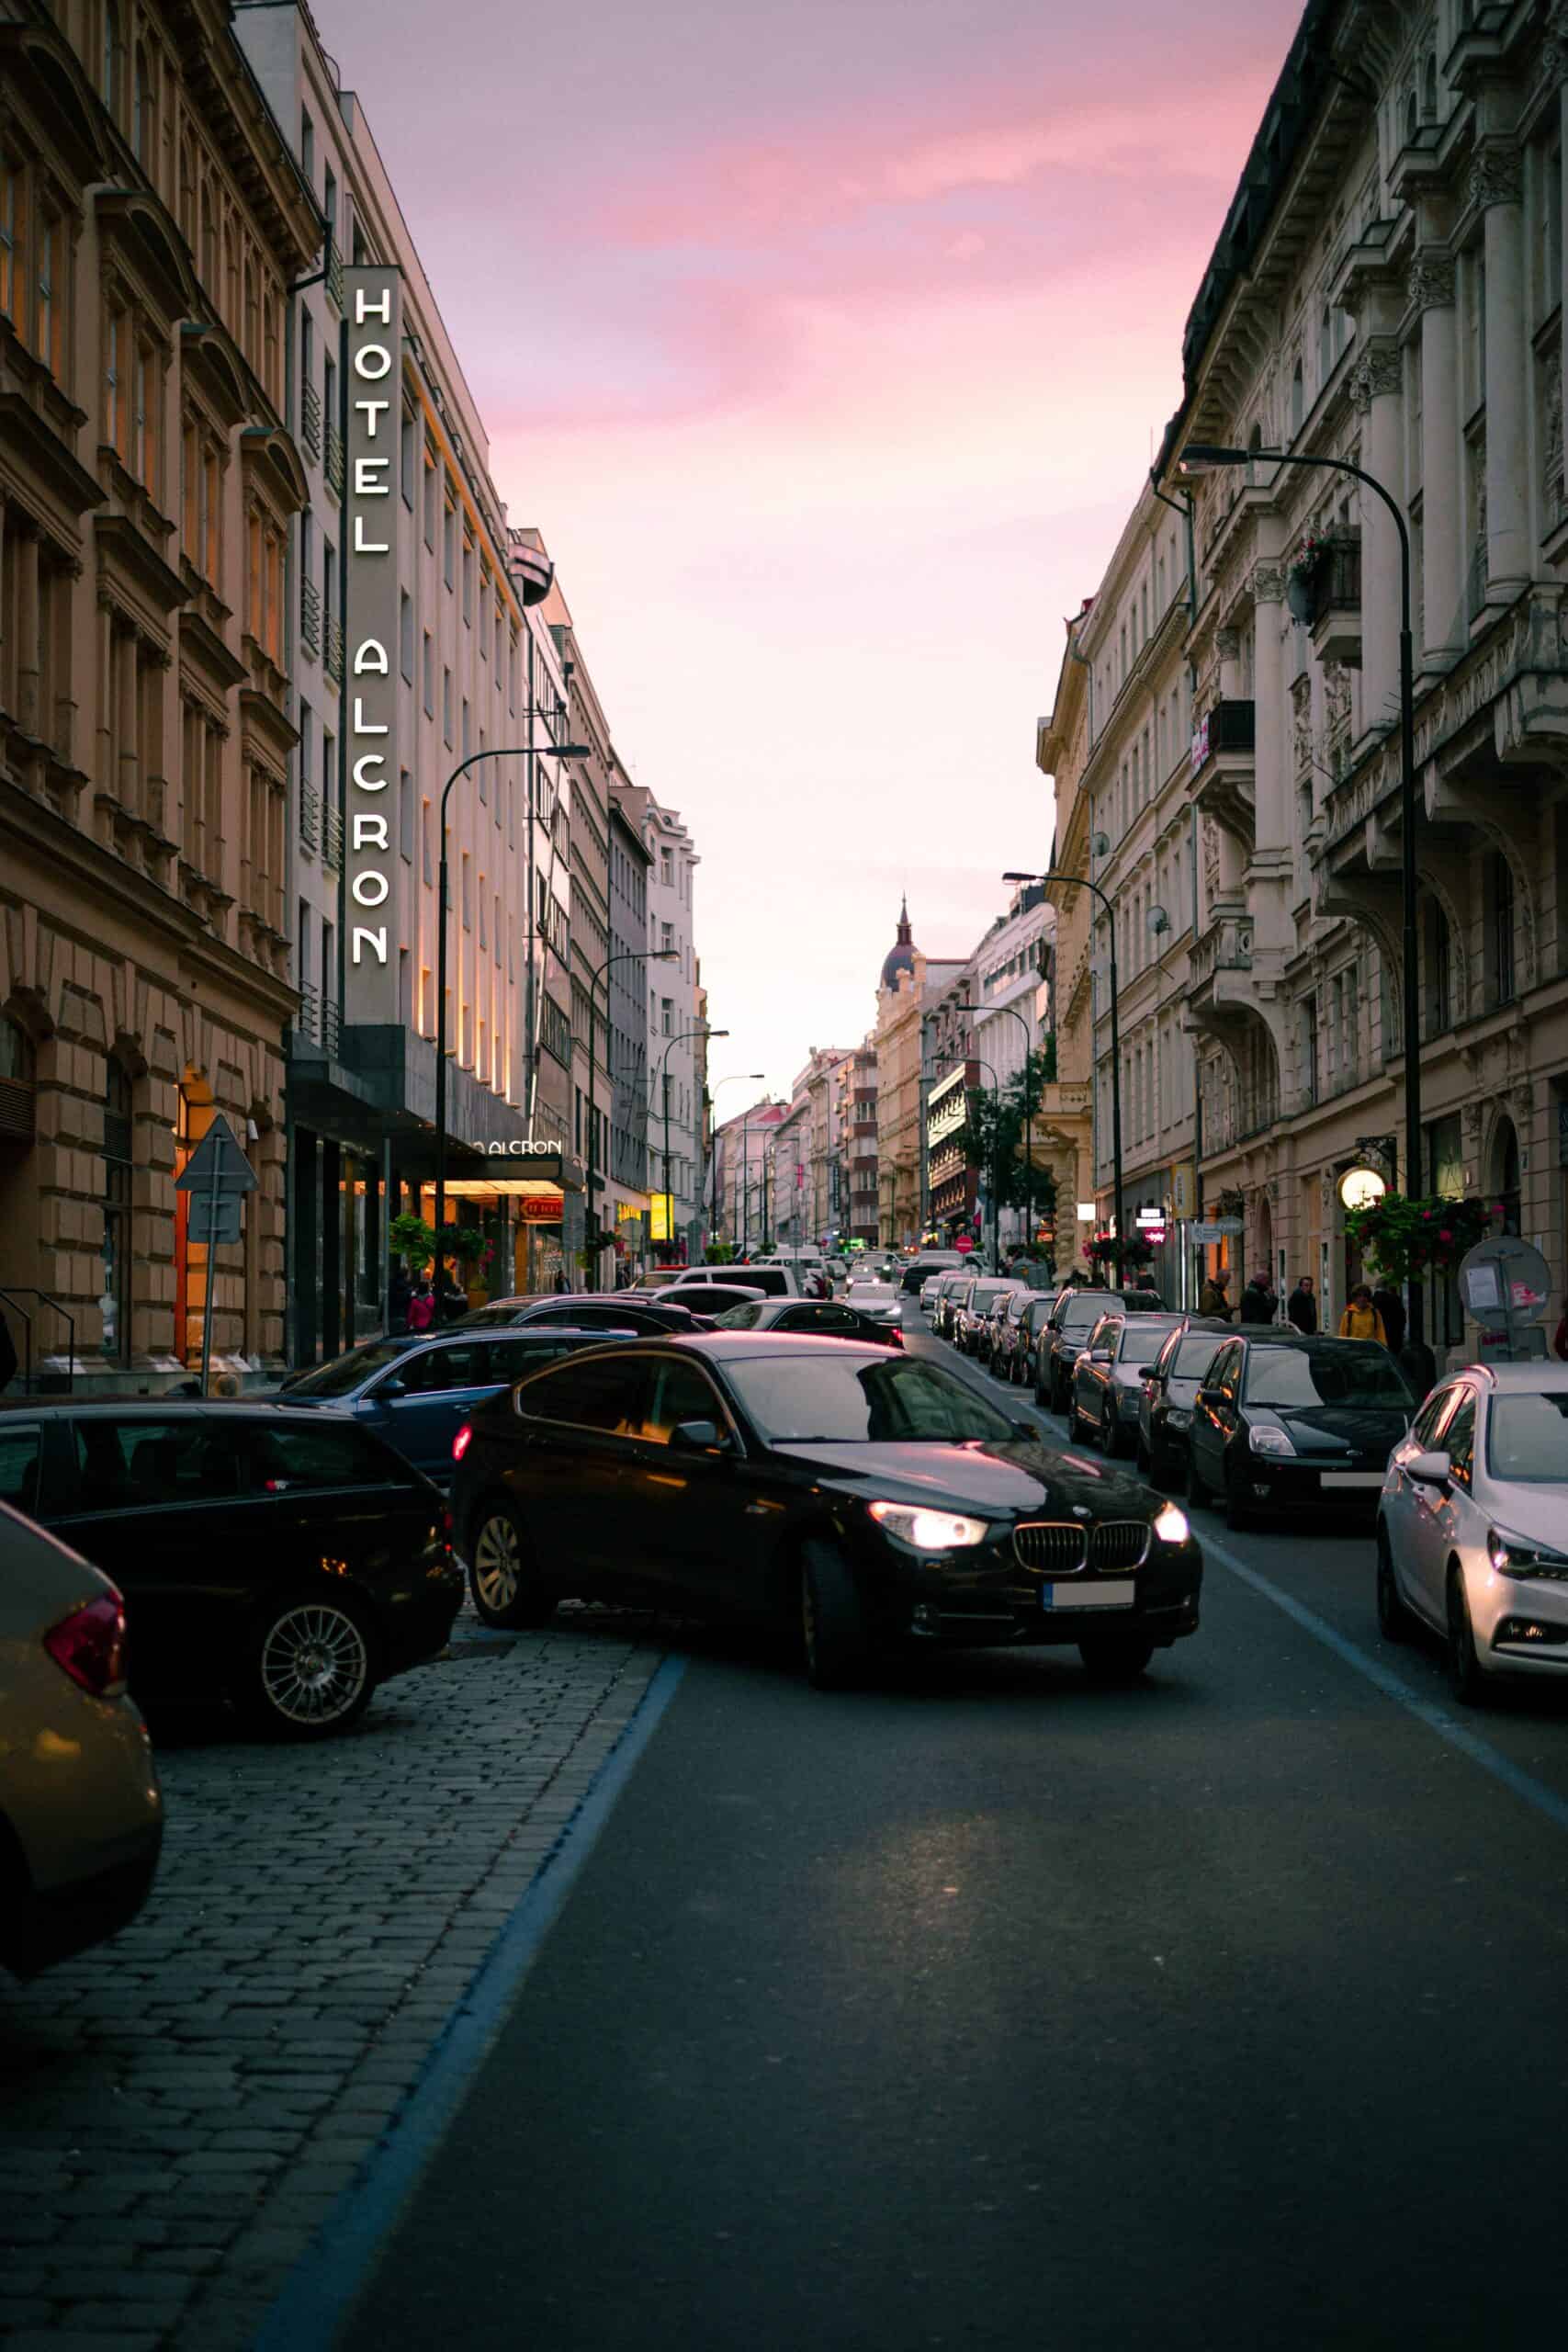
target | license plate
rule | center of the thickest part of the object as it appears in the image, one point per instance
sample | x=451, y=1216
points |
x=1352, y=1477
x=1089, y=1595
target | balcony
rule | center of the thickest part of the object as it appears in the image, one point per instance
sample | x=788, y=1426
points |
x=335, y=475
x=1334, y=607
x=1223, y=760
x=310, y=419
x=309, y=616
x=1225, y=946
x=332, y=840
x=335, y=271
x=335, y=651
x=309, y=817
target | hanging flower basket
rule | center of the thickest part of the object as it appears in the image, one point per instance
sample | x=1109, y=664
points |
x=1105, y=1250
x=1406, y=1239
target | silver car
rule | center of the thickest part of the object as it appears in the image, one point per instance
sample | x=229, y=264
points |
x=1473, y=1525
x=81, y=1813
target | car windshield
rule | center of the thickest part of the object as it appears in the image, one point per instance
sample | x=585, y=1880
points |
x=1141, y=1343
x=1194, y=1356
x=1080, y=1313
x=873, y=1292
x=349, y=1372
x=986, y=1294
x=1299, y=1376
x=740, y=1319
x=1526, y=1438
x=861, y=1401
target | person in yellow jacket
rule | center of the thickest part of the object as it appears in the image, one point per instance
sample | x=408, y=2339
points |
x=1361, y=1319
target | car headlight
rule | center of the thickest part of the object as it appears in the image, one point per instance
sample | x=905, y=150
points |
x=1269, y=1440
x=1170, y=1525
x=1180, y=1418
x=1521, y=1555
x=928, y=1531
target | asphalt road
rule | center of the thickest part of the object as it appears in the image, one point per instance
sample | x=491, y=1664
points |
x=990, y=2008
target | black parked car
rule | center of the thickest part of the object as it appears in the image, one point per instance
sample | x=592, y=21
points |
x=826, y=1318
x=713, y=1299
x=874, y=1499
x=1294, y=1424
x=285, y=1561
x=590, y=1310
x=1171, y=1386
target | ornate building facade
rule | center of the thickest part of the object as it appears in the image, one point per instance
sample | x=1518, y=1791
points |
x=151, y=220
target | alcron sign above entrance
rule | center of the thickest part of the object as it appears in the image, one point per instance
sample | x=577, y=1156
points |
x=375, y=405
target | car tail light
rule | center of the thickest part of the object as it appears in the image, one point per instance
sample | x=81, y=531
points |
x=461, y=1442
x=89, y=1646
x=895, y=1338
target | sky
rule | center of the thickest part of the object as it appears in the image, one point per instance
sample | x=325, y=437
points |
x=828, y=344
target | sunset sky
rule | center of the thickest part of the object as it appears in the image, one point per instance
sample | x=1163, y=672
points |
x=828, y=345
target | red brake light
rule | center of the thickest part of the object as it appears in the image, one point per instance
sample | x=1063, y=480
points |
x=895, y=1338
x=460, y=1442
x=89, y=1646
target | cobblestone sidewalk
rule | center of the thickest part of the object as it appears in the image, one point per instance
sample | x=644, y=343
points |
x=179, y=2108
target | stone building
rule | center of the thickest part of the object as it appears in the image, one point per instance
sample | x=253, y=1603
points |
x=908, y=981
x=150, y=221
x=628, y=1049
x=1389, y=289
x=1065, y=1139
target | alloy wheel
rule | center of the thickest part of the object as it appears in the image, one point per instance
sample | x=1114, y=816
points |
x=315, y=1665
x=496, y=1563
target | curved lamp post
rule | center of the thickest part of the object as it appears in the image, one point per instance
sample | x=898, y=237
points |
x=1197, y=457
x=1081, y=882
x=996, y=1162
x=702, y=1030
x=516, y=752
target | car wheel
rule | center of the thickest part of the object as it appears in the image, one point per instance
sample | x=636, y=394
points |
x=308, y=1667
x=502, y=1578
x=1116, y=1658
x=1394, y=1621
x=832, y=1621
x=1197, y=1492
x=1464, y=1667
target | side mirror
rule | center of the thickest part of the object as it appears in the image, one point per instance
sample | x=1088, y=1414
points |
x=390, y=1390
x=1025, y=1429
x=698, y=1437
x=1211, y=1397
x=1100, y=1355
x=1430, y=1470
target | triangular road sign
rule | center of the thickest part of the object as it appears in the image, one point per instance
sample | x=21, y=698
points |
x=219, y=1162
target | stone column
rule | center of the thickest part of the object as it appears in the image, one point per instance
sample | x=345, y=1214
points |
x=1271, y=815
x=1442, y=519
x=1494, y=183
x=1554, y=68
x=1377, y=385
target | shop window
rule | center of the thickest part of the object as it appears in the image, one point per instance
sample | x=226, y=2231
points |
x=17, y=1092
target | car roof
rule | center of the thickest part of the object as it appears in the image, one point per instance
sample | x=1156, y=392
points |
x=1533, y=1376
x=159, y=1409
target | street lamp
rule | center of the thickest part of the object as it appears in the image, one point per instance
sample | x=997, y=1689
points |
x=1197, y=457
x=519, y=751
x=1081, y=882
x=702, y=1030
x=736, y=1077
x=597, y=972
x=1013, y=1014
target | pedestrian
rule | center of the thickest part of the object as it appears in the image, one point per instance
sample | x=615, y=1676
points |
x=1301, y=1306
x=1259, y=1302
x=1143, y=1279
x=562, y=1280
x=1560, y=1337
x=1212, y=1298
x=8, y=1353
x=421, y=1310
x=399, y=1290
x=1391, y=1306
x=1361, y=1319
x=454, y=1301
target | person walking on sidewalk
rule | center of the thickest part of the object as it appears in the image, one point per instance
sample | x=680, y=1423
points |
x=1259, y=1302
x=422, y=1305
x=1391, y=1306
x=1212, y=1298
x=1301, y=1306
x=1361, y=1319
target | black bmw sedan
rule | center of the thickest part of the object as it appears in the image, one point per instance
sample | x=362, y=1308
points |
x=875, y=1499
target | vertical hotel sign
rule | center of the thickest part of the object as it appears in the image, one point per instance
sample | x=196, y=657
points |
x=374, y=374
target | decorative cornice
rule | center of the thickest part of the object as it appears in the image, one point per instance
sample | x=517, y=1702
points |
x=1379, y=371
x=1496, y=174
x=1227, y=643
x=1431, y=281
x=1267, y=583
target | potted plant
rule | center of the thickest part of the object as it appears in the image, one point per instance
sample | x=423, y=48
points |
x=411, y=1239
x=1300, y=575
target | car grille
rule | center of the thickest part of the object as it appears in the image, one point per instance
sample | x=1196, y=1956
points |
x=1056, y=1549
x=1118, y=1544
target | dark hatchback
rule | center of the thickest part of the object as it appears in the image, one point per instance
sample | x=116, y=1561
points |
x=279, y=1560
x=817, y=1318
x=1170, y=1389
x=874, y=1499
x=1296, y=1424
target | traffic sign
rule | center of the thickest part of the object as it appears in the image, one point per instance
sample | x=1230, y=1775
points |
x=1229, y=1225
x=209, y=1221
x=962, y=1243
x=217, y=1164
x=1202, y=1237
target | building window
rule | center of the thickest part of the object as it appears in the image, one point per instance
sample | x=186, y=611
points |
x=308, y=146
x=405, y=815
x=13, y=240
x=1502, y=930
x=406, y=458
x=429, y=497
x=446, y=707
x=115, y=359
x=143, y=126
x=429, y=675
x=449, y=542
x=108, y=81
x=405, y=635
x=115, y=1298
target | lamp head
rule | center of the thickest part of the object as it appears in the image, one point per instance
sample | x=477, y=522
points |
x=1203, y=456
x=1023, y=877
